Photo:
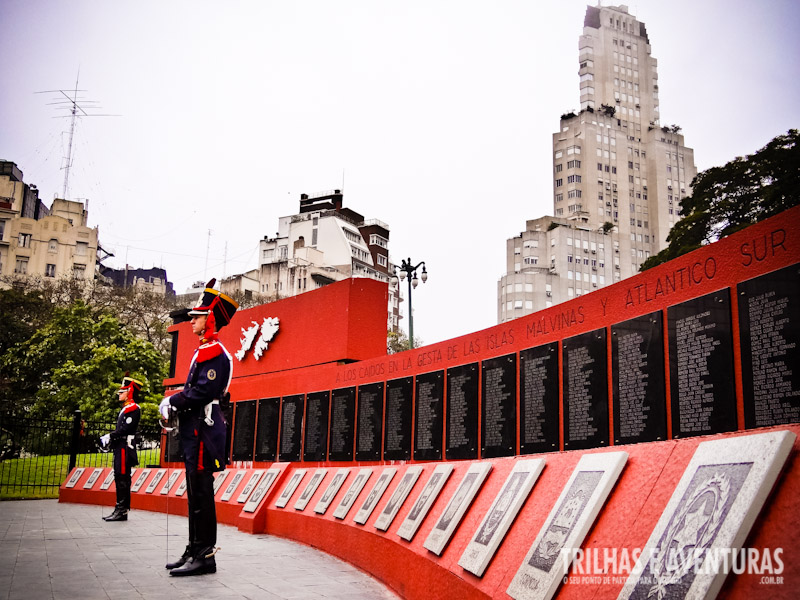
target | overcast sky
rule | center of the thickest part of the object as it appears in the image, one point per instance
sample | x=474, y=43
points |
x=434, y=116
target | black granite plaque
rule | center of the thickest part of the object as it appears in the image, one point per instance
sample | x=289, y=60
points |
x=585, y=380
x=538, y=399
x=702, y=391
x=462, y=412
x=291, y=428
x=267, y=429
x=637, y=371
x=369, y=427
x=244, y=430
x=397, y=419
x=428, y=416
x=343, y=423
x=499, y=406
x=769, y=326
x=315, y=441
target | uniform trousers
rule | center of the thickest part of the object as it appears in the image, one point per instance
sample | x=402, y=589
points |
x=202, y=511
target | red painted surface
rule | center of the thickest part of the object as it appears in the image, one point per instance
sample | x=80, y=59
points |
x=343, y=321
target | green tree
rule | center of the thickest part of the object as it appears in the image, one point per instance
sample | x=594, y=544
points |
x=398, y=342
x=76, y=361
x=729, y=198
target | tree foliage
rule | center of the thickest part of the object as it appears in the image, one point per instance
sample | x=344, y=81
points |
x=729, y=198
x=57, y=358
x=398, y=342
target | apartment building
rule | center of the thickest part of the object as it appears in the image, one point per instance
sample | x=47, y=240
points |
x=40, y=242
x=324, y=242
x=618, y=175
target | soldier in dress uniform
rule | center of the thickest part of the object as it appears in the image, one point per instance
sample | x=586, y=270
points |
x=120, y=441
x=202, y=428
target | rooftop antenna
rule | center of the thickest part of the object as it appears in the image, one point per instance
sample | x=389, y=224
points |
x=78, y=108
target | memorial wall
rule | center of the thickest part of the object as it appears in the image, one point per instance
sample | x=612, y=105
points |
x=705, y=344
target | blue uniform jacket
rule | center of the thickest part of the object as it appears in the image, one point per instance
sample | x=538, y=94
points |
x=204, y=446
x=125, y=457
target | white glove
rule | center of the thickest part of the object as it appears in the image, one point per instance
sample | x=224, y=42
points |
x=165, y=408
x=105, y=439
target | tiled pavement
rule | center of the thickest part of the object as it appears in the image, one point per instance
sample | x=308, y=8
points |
x=52, y=550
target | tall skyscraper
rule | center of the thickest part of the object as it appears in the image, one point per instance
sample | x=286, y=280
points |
x=618, y=175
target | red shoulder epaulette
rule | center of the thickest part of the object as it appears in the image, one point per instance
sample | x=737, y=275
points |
x=129, y=407
x=208, y=351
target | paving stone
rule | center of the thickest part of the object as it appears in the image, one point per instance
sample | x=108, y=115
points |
x=53, y=551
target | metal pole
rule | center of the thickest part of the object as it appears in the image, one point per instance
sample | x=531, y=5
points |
x=410, y=317
x=75, y=440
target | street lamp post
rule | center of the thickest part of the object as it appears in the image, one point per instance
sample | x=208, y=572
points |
x=406, y=268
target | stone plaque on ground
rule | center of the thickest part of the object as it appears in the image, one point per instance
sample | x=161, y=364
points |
x=139, y=482
x=244, y=430
x=219, y=479
x=151, y=487
x=331, y=491
x=310, y=488
x=499, y=406
x=429, y=416
x=261, y=490
x=291, y=428
x=397, y=419
x=501, y=514
x=291, y=486
x=352, y=493
x=173, y=477
x=267, y=429
x=315, y=447
x=95, y=475
x=109, y=480
x=769, y=329
x=456, y=508
x=76, y=475
x=565, y=528
x=231, y=488
x=398, y=497
x=702, y=387
x=424, y=502
x=462, y=412
x=585, y=391
x=375, y=495
x=708, y=517
x=538, y=399
x=343, y=423
x=370, y=421
x=250, y=486
x=637, y=367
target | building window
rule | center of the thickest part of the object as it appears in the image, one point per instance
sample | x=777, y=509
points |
x=559, y=182
x=52, y=247
x=81, y=249
x=381, y=260
x=559, y=167
x=574, y=164
x=22, y=266
x=79, y=271
x=50, y=270
x=24, y=240
x=574, y=179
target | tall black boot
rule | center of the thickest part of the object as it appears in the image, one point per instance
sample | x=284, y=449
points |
x=119, y=514
x=200, y=563
x=187, y=554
